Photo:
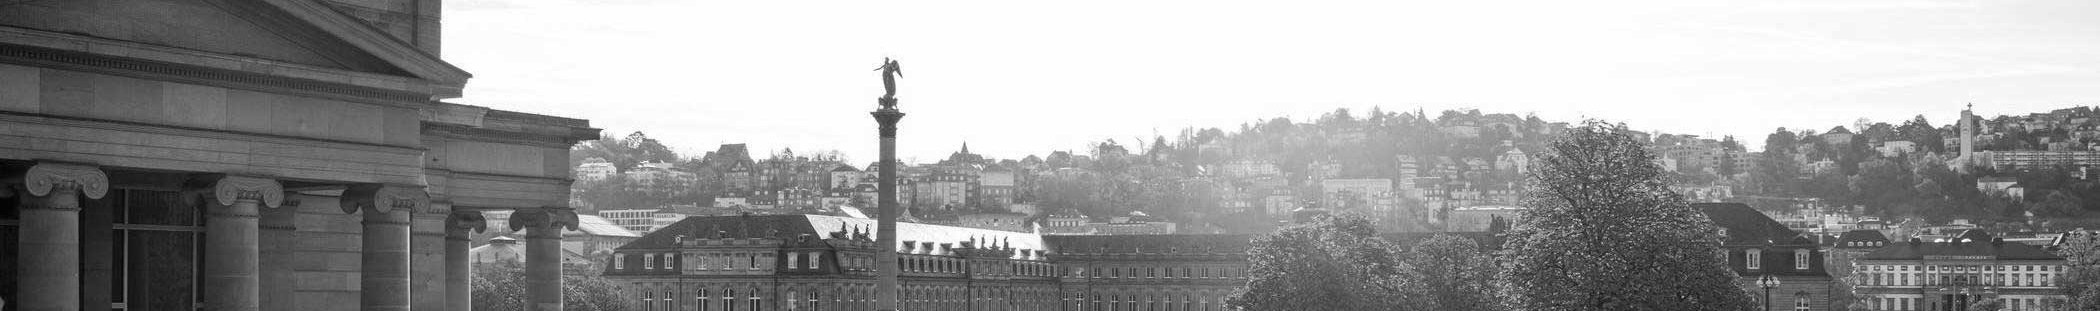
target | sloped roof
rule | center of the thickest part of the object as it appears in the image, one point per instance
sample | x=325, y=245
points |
x=599, y=226
x=1162, y=243
x=1862, y=236
x=1969, y=243
x=1748, y=226
x=791, y=226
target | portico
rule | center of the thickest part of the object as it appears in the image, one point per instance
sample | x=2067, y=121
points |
x=255, y=155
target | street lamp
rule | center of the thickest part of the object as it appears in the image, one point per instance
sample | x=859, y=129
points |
x=1767, y=282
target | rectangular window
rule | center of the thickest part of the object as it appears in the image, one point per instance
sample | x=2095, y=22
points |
x=816, y=260
x=648, y=261
x=1753, y=259
x=1801, y=259
x=619, y=261
x=794, y=260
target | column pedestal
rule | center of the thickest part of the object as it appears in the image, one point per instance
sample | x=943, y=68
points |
x=48, y=259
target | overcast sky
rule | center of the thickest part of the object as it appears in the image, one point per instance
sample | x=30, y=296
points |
x=1014, y=78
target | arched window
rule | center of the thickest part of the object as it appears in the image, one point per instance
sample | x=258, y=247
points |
x=729, y=300
x=756, y=303
x=648, y=301
x=1801, y=301
x=700, y=299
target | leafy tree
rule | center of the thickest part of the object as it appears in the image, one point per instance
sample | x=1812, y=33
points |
x=1329, y=263
x=1455, y=274
x=1604, y=232
x=501, y=286
x=1986, y=305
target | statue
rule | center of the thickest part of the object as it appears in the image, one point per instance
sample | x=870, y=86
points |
x=890, y=72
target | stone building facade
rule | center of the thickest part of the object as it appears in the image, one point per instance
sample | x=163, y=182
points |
x=817, y=262
x=256, y=155
x=1949, y=274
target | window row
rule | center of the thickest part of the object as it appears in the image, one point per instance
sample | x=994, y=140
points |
x=1998, y=279
x=1171, y=272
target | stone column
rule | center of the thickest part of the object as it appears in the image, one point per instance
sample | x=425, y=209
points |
x=280, y=231
x=231, y=245
x=427, y=255
x=543, y=253
x=458, y=272
x=384, y=284
x=48, y=260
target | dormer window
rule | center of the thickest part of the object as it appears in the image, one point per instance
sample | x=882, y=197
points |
x=1752, y=259
x=1801, y=259
x=648, y=261
x=619, y=261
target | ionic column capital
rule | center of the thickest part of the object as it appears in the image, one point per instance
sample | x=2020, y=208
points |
x=227, y=189
x=383, y=198
x=546, y=217
x=48, y=177
x=465, y=221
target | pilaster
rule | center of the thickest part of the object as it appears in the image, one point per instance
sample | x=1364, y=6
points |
x=427, y=259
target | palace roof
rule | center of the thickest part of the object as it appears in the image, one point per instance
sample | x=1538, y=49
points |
x=1971, y=243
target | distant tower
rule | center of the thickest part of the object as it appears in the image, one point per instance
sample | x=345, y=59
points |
x=1968, y=140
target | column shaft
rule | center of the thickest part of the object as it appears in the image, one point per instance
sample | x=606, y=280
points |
x=458, y=290
x=279, y=281
x=232, y=249
x=49, y=257
x=384, y=283
x=427, y=246
x=886, y=269
x=543, y=266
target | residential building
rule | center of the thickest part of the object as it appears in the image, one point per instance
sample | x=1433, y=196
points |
x=814, y=262
x=595, y=169
x=309, y=137
x=1758, y=247
x=637, y=220
x=1370, y=194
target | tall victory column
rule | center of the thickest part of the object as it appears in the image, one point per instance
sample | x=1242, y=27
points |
x=886, y=269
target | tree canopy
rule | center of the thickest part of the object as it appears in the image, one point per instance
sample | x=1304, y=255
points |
x=1604, y=232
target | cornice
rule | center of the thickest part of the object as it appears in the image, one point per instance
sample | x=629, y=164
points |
x=494, y=136
x=116, y=125
x=183, y=73
x=141, y=52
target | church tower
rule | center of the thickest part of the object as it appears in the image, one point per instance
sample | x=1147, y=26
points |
x=1968, y=140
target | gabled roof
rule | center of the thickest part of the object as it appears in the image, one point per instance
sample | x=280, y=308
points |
x=1748, y=226
x=371, y=40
